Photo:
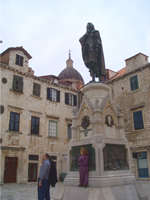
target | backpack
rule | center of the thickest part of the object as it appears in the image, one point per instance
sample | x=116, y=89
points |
x=52, y=174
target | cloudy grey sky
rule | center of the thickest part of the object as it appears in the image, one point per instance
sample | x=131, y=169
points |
x=47, y=29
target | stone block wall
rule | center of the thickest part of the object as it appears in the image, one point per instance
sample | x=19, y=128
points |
x=22, y=144
x=131, y=101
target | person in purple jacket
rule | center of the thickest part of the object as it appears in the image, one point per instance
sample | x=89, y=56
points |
x=84, y=167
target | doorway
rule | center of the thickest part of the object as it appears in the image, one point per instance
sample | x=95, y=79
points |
x=10, y=171
x=142, y=165
x=32, y=172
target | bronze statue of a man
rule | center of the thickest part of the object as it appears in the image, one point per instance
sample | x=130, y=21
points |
x=92, y=52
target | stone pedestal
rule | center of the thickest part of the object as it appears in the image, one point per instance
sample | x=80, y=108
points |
x=98, y=124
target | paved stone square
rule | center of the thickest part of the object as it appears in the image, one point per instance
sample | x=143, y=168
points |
x=14, y=191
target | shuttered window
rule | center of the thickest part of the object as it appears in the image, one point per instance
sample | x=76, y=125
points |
x=69, y=131
x=33, y=157
x=14, y=121
x=70, y=99
x=134, y=82
x=18, y=83
x=36, y=89
x=53, y=94
x=35, y=125
x=52, y=128
x=19, y=60
x=138, y=120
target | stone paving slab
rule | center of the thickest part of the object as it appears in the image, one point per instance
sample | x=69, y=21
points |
x=15, y=191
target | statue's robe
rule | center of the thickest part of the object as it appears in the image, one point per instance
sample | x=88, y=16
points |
x=92, y=52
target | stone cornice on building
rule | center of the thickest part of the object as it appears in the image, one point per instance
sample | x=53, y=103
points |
x=134, y=149
x=127, y=73
x=137, y=106
x=5, y=66
x=52, y=116
x=12, y=148
x=16, y=107
x=33, y=111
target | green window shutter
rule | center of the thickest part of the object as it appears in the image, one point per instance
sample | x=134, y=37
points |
x=36, y=89
x=18, y=83
x=138, y=120
x=21, y=86
x=134, y=82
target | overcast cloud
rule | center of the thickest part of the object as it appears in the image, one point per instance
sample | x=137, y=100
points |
x=48, y=29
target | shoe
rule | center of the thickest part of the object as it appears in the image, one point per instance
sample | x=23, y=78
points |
x=80, y=185
x=86, y=185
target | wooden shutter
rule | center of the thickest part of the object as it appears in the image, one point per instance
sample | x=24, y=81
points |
x=134, y=82
x=58, y=96
x=75, y=100
x=21, y=61
x=66, y=98
x=48, y=93
x=138, y=120
x=36, y=89
x=18, y=83
x=17, y=59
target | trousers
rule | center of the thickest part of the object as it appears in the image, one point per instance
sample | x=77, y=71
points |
x=43, y=191
x=84, y=172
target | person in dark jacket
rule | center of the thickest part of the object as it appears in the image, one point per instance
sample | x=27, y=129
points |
x=84, y=167
x=52, y=174
x=43, y=180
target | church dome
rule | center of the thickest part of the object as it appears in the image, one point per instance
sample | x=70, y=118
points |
x=69, y=73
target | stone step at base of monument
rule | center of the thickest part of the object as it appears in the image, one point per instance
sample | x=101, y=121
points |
x=138, y=191
x=100, y=182
x=127, y=192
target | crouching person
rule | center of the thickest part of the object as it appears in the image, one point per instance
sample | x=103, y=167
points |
x=43, y=180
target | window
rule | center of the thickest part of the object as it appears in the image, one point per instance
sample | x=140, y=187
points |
x=142, y=165
x=53, y=158
x=14, y=121
x=19, y=60
x=53, y=94
x=138, y=120
x=35, y=125
x=70, y=99
x=32, y=172
x=52, y=128
x=33, y=157
x=36, y=89
x=69, y=131
x=18, y=83
x=134, y=82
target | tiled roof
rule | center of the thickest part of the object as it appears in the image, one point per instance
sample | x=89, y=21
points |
x=119, y=73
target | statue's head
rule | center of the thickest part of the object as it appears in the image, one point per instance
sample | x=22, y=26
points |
x=90, y=27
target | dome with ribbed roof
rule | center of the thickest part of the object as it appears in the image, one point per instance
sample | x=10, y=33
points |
x=69, y=73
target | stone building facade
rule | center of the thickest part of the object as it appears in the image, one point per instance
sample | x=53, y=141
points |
x=36, y=114
x=35, y=118
x=130, y=88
